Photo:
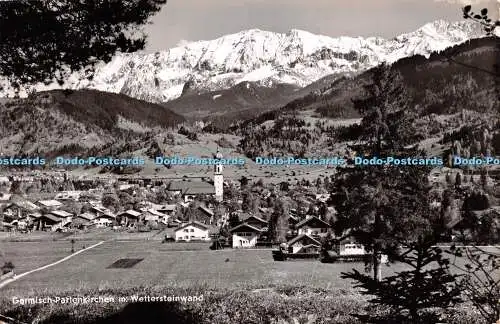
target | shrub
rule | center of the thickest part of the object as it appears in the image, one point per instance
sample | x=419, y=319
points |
x=7, y=267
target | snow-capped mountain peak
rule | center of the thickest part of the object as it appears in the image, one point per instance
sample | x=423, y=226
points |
x=295, y=57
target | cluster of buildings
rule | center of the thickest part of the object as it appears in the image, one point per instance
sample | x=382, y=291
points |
x=303, y=234
x=51, y=215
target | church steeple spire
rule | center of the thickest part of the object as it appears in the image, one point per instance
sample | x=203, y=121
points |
x=218, y=177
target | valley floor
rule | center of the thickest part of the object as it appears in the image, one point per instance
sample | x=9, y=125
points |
x=245, y=284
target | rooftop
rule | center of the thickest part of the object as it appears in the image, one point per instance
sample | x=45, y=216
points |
x=61, y=213
x=192, y=187
x=50, y=203
x=195, y=224
x=245, y=228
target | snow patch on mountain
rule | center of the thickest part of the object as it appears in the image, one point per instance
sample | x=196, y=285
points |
x=266, y=58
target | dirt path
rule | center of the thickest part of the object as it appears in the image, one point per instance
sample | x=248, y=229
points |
x=8, y=281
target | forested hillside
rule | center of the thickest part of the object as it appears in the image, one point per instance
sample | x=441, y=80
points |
x=457, y=88
x=67, y=121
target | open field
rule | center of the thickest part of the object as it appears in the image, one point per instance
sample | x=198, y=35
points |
x=103, y=234
x=172, y=265
x=30, y=255
x=243, y=282
x=180, y=265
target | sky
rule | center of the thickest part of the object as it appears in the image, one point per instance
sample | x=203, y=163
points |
x=192, y=20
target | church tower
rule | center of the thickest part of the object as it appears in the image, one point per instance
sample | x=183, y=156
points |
x=218, y=178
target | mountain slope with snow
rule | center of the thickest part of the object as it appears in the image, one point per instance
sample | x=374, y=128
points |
x=267, y=58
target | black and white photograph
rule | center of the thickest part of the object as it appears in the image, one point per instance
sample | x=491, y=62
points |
x=250, y=161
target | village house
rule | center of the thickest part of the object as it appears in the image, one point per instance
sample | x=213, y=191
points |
x=83, y=221
x=254, y=221
x=245, y=235
x=152, y=215
x=104, y=221
x=48, y=222
x=98, y=211
x=193, y=231
x=190, y=190
x=303, y=244
x=51, y=204
x=129, y=217
x=168, y=209
x=312, y=226
x=19, y=209
x=56, y=220
x=64, y=215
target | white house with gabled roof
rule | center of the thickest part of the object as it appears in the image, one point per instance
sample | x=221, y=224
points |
x=312, y=226
x=245, y=235
x=193, y=231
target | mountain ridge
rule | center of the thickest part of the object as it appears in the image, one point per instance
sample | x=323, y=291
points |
x=267, y=58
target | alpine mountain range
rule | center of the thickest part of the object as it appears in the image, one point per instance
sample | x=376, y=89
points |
x=296, y=58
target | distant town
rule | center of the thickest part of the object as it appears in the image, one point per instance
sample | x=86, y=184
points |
x=237, y=214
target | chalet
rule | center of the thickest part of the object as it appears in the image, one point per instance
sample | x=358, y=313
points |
x=168, y=209
x=81, y=223
x=303, y=244
x=87, y=216
x=98, y=211
x=312, y=226
x=189, y=190
x=63, y=215
x=151, y=215
x=19, y=209
x=349, y=245
x=193, y=231
x=83, y=220
x=254, y=221
x=104, y=221
x=352, y=249
x=245, y=235
x=49, y=204
x=130, y=217
x=50, y=222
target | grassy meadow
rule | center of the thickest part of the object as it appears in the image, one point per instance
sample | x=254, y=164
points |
x=180, y=265
x=239, y=286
